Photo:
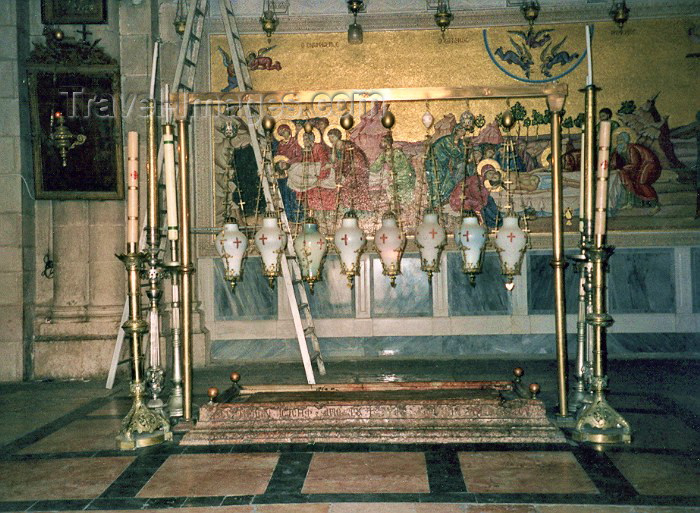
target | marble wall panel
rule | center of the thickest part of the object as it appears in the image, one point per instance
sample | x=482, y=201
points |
x=332, y=298
x=642, y=281
x=449, y=346
x=540, y=286
x=252, y=299
x=695, y=276
x=412, y=296
x=487, y=297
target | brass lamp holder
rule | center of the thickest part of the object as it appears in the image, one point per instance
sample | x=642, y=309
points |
x=142, y=426
x=64, y=140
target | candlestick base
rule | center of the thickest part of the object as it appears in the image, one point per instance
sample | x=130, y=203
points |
x=142, y=426
x=599, y=423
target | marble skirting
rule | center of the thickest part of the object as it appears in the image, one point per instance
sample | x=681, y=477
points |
x=619, y=344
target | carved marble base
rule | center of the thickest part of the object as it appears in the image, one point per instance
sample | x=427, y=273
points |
x=429, y=416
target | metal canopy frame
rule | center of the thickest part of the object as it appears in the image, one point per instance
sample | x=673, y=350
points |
x=554, y=93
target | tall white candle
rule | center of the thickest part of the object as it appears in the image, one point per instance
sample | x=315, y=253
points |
x=170, y=190
x=154, y=67
x=132, y=195
x=582, y=184
x=589, y=57
x=602, y=184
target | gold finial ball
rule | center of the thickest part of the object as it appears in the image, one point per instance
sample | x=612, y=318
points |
x=308, y=127
x=534, y=389
x=507, y=120
x=388, y=120
x=58, y=34
x=518, y=372
x=213, y=393
x=347, y=121
x=268, y=123
x=235, y=377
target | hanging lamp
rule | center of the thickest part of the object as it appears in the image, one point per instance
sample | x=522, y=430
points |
x=310, y=247
x=231, y=244
x=350, y=242
x=470, y=238
x=430, y=239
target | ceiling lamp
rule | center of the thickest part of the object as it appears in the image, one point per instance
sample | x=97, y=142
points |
x=620, y=13
x=443, y=16
x=530, y=11
x=355, y=29
x=269, y=20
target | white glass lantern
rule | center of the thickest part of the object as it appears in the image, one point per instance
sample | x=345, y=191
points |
x=390, y=242
x=231, y=244
x=350, y=242
x=470, y=238
x=511, y=243
x=270, y=241
x=427, y=120
x=310, y=247
x=430, y=239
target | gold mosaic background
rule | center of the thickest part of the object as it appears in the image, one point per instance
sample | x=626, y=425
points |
x=648, y=58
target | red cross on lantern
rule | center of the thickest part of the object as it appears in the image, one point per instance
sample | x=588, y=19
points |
x=320, y=243
x=466, y=236
x=511, y=237
x=262, y=239
x=384, y=238
x=433, y=233
x=237, y=242
x=345, y=239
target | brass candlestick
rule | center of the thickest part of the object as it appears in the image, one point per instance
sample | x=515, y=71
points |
x=598, y=422
x=155, y=375
x=175, y=403
x=142, y=426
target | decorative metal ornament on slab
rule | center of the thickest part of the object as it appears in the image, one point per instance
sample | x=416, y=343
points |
x=470, y=238
x=311, y=248
x=232, y=244
x=430, y=239
x=271, y=241
x=390, y=242
x=350, y=243
x=511, y=243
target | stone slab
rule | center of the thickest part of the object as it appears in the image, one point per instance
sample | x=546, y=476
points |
x=403, y=416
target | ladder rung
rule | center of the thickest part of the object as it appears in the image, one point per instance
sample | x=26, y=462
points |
x=309, y=330
x=194, y=37
x=189, y=63
x=304, y=305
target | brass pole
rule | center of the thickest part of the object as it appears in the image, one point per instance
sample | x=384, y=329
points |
x=558, y=263
x=186, y=260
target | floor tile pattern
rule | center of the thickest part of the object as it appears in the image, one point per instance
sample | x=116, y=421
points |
x=67, y=461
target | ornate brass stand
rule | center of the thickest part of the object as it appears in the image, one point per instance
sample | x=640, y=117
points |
x=598, y=422
x=155, y=374
x=142, y=426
